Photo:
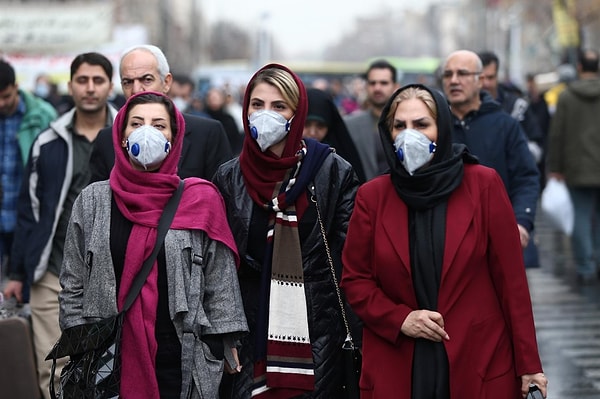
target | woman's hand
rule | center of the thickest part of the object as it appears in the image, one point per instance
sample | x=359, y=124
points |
x=233, y=369
x=538, y=379
x=425, y=324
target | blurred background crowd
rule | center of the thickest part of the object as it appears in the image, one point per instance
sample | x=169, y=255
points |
x=220, y=49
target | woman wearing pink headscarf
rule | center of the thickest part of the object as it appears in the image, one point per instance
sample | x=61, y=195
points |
x=190, y=307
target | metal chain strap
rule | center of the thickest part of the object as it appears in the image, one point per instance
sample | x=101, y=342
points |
x=330, y=261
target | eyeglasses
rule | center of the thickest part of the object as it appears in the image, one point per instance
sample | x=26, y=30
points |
x=461, y=74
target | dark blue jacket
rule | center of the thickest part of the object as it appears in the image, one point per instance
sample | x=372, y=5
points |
x=499, y=142
x=46, y=182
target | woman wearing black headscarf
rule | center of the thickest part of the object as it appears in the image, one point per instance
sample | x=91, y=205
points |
x=433, y=267
x=325, y=124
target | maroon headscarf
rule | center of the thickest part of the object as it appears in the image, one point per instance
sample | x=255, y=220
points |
x=141, y=197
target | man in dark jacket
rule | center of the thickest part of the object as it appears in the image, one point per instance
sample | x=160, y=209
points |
x=492, y=135
x=513, y=102
x=574, y=156
x=205, y=145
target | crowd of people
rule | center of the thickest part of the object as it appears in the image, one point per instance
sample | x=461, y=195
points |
x=420, y=200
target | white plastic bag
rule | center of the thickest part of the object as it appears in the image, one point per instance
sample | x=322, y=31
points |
x=557, y=205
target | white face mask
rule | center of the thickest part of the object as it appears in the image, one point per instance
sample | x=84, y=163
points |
x=181, y=104
x=42, y=90
x=147, y=146
x=413, y=149
x=268, y=128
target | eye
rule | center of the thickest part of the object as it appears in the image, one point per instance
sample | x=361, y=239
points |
x=159, y=126
x=399, y=125
x=126, y=82
x=147, y=80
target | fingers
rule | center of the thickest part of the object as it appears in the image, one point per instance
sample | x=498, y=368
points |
x=523, y=235
x=14, y=289
x=425, y=324
x=538, y=379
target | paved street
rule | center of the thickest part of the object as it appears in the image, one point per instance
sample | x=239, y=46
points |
x=567, y=317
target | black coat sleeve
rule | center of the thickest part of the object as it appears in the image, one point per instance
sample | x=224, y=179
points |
x=102, y=158
x=205, y=147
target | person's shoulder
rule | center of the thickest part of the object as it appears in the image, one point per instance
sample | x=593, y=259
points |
x=228, y=167
x=480, y=175
x=197, y=187
x=96, y=190
x=38, y=105
x=104, y=136
x=356, y=116
x=334, y=164
x=377, y=185
x=197, y=120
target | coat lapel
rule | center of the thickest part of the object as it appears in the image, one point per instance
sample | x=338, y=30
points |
x=461, y=206
x=394, y=223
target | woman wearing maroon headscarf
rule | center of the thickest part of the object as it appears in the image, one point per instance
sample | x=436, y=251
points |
x=190, y=307
x=295, y=321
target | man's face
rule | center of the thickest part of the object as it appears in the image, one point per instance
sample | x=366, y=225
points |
x=489, y=79
x=139, y=72
x=90, y=88
x=461, y=80
x=380, y=87
x=9, y=100
x=182, y=90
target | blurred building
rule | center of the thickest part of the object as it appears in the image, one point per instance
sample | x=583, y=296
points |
x=51, y=27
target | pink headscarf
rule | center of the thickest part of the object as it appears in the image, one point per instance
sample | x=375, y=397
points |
x=141, y=197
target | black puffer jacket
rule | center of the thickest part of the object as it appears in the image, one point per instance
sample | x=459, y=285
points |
x=335, y=187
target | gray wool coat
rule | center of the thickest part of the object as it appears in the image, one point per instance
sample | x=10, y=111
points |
x=204, y=295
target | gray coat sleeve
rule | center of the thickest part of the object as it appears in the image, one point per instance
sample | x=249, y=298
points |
x=87, y=273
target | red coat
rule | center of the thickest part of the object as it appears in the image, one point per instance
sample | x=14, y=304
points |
x=483, y=297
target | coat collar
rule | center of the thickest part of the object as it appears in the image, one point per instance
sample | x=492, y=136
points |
x=394, y=220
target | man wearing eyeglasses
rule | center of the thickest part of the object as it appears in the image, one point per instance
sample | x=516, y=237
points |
x=492, y=135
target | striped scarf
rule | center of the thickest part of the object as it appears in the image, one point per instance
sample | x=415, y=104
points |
x=287, y=369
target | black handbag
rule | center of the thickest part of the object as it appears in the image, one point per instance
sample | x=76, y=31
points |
x=351, y=355
x=94, y=367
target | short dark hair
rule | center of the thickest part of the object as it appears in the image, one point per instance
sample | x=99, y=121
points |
x=382, y=64
x=588, y=59
x=7, y=75
x=183, y=79
x=92, y=59
x=487, y=58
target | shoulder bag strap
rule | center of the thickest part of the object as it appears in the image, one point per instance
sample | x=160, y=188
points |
x=348, y=342
x=163, y=226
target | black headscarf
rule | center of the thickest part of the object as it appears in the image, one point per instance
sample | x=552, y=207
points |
x=322, y=108
x=426, y=195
